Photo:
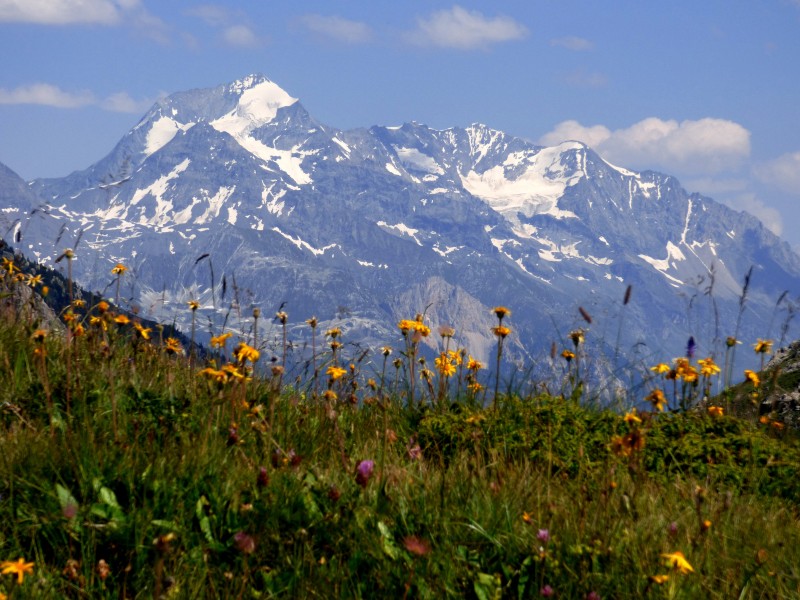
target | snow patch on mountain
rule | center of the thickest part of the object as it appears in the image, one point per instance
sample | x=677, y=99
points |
x=161, y=133
x=414, y=159
x=535, y=191
x=403, y=229
x=257, y=106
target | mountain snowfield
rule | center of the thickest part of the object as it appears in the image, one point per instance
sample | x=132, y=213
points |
x=237, y=197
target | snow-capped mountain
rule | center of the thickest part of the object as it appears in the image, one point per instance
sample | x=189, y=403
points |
x=236, y=194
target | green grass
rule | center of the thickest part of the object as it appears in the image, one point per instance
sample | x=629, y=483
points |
x=126, y=474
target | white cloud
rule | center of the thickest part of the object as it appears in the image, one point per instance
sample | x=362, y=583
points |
x=572, y=42
x=782, y=173
x=122, y=102
x=60, y=12
x=240, y=35
x=338, y=28
x=689, y=147
x=211, y=14
x=581, y=78
x=45, y=94
x=465, y=30
x=769, y=216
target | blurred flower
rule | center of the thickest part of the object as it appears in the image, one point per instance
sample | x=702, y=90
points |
x=103, y=570
x=501, y=331
x=715, y=411
x=444, y=365
x=672, y=528
x=593, y=596
x=708, y=367
x=335, y=372
x=173, y=346
x=312, y=322
x=547, y=591
x=446, y=331
x=282, y=317
x=193, y=305
x=527, y=518
x=691, y=346
x=364, y=472
x=568, y=355
x=659, y=579
x=501, y=312
x=657, y=399
x=543, y=535
x=121, y=320
x=416, y=545
x=474, y=365
x=18, y=568
x=705, y=525
x=763, y=347
x=661, y=368
x=677, y=561
x=731, y=341
x=752, y=377
x=262, y=479
x=243, y=352
x=631, y=417
x=220, y=340
x=119, y=269
x=102, y=306
x=244, y=543
x=577, y=337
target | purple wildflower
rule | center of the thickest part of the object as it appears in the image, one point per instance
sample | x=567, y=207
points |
x=364, y=472
x=547, y=591
x=543, y=536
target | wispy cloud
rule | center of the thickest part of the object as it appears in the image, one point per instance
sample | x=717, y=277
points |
x=691, y=147
x=61, y=12
x=782, y=173
x=337, y=28
x=465, y=30
x=572, y=42
x=46, y=94
x=582, y=78
x=750, y=203
x=231, y=25
x=240, y=35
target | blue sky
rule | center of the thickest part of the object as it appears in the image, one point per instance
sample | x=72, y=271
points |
x=706, y=91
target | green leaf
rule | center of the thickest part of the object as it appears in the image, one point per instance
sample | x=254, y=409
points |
x=390, y=547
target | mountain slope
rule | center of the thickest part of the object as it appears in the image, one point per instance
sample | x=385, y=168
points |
x=368, y=226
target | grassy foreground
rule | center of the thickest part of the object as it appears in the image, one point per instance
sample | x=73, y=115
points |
x=130, y=470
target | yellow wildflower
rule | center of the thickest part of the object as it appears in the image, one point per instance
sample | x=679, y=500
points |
x=474, y=365
x=715, y=411
x=659, y=579
x=243, y=352
x=708, y=367
x=631, y=417
x=752, y=377
x=677, y=561
x=568, y=355
x=444, y=365
x=121, y=320
x=119, y=269
x=193, y=305
x=333, y=332
x=657, y=398
x=173, y=346
x=501, y=312
x=144, y=332
x=335, y=372
x=18, y=567
x=475, y=387
x=501, y=331
x=577, y=337
x=219, y=341
x=763, y=347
